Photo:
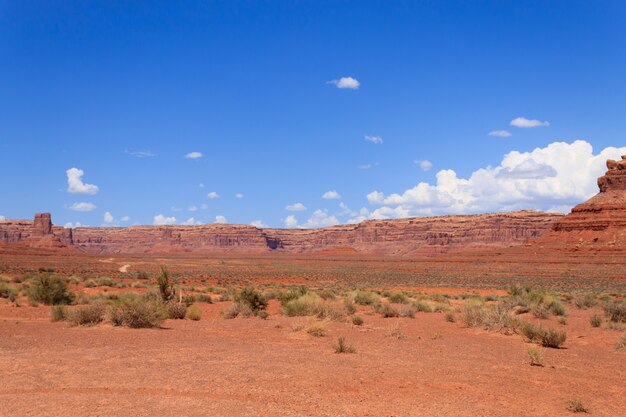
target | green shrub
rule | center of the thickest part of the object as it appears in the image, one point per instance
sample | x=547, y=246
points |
x=595, y=320
x=387, y=310
x=422, y=306
x=615, y=311
x=536, y=356
x=397, y=298
x=8, y=291
x=317, y=329
x=305, y=305
x=88, y=315
x=585, y=301
x=166, y=285
x=365, y=298
x=176, y=311
x=343, y=347
x=540, y=311
x=49, y=289
x=407, y=311
x=251, y=298
x=58, y=313
x=557, y=308
x=473, y=313
x=349, y=306
x=139, y=313
x=553, y=338
x=194, y=313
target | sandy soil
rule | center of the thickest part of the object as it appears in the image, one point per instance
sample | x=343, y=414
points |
x=254, y=367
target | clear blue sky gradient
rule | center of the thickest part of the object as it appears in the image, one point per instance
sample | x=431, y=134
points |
x=85, y=84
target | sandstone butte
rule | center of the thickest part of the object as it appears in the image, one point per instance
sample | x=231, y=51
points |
x=599, y=222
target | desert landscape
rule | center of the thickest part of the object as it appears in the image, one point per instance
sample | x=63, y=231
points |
x=507, y=314
x=312, y=208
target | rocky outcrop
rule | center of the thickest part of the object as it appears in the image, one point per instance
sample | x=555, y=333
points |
x=601, y=220
x=399, y=237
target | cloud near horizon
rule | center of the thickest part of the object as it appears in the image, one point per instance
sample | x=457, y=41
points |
x=553, y=178
x=161, y=220
x=295, y=207
x=75, y=184
x=83, y=206
x=500, y=133
x=331, y=195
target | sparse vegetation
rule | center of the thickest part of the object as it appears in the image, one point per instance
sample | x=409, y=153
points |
x=546, y=337
x=49, y=289
x=88, y=315
x=357, y=321
x=595, y=320
x=615, y=311
x=576, y=406
x=166, y=285
x=193, y=313
x=536, y=356
x=621, y=343
x=343, y=347
x=58, y=313
x=176, y=311
x=317, y=329
x=137, y=313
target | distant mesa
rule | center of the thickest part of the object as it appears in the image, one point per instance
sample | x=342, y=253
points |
x=598, y=223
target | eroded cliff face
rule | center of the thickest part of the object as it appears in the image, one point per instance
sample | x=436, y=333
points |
x=601, y=220
x=399, y=237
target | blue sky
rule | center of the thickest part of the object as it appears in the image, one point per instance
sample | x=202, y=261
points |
x=123, y=91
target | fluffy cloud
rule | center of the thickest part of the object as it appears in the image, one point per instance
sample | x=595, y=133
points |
x=2, y=217
x=75, y=183
x=553, y=178
x=296, y=207
x=524, y=122
x=220, y=219
x=258, y=223
x=108, y=218
x=238, y=195
x=425, y=165
x=161, y=220
x=83, y=206
x=191, y=222
x=193, y=155
x=346, y=82
x=290, y=222
x=213, y=195
x=377, y=140
x=71, y=225
x=125, y=219
x=500, y=133
x=331, y=195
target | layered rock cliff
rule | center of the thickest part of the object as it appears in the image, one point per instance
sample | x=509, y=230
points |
x=403, y=236
x=601, y=220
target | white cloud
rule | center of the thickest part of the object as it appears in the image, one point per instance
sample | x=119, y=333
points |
x=377, y=140
x=213, y=195
x=220, y=219
x=331, y=195
x=296, y=207
x=191, y=222
x=368, y=166
x=238, y=195
x=193, y=155
x=2, y=217
x=552, y=178
x=141, y=154
x=290, y=222
x=161, y=220
x=524, y=122
x=83, y=206
x=192, y=208
x=75, y=184
x=108, y=218
x=346, y=82
x=321, y=218
x=258, y=223
x=500, y=133
x=201, y=185
x=71, y=225
x=125, y=219
x=425, y=165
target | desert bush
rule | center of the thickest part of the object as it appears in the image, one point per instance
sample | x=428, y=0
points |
x=473, y=313
x=556, y=307
x=237, y=309
x=326, y=294
x=8, y=291
x=395, y=332
x=305, y=305
x=317, y=329
x=498, y=318
x=357, y=321
x=422, y=306
x=193, y=313
x=251, y=298
x=58, y=313
x=365, y=298
x=349, y=306
x=387, y=310
x=90, y=283
x=553, y=338
x=621, y=343
x=343, y=347
x=88, y=315
x=585, y=301
x=595, y=320
x=407, y=311
x=397, y=298
x=536, y=356
x=166, y=285
x=138, y=313
x=540, y=311
x=176, y=311
x=615, y=311
x=49, y=289
x=576, y=406
x=450, y=316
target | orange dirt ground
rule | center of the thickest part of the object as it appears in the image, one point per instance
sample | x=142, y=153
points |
x=250, y=367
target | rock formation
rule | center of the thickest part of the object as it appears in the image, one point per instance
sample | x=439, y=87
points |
x=601, y=220
x=399, y=237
